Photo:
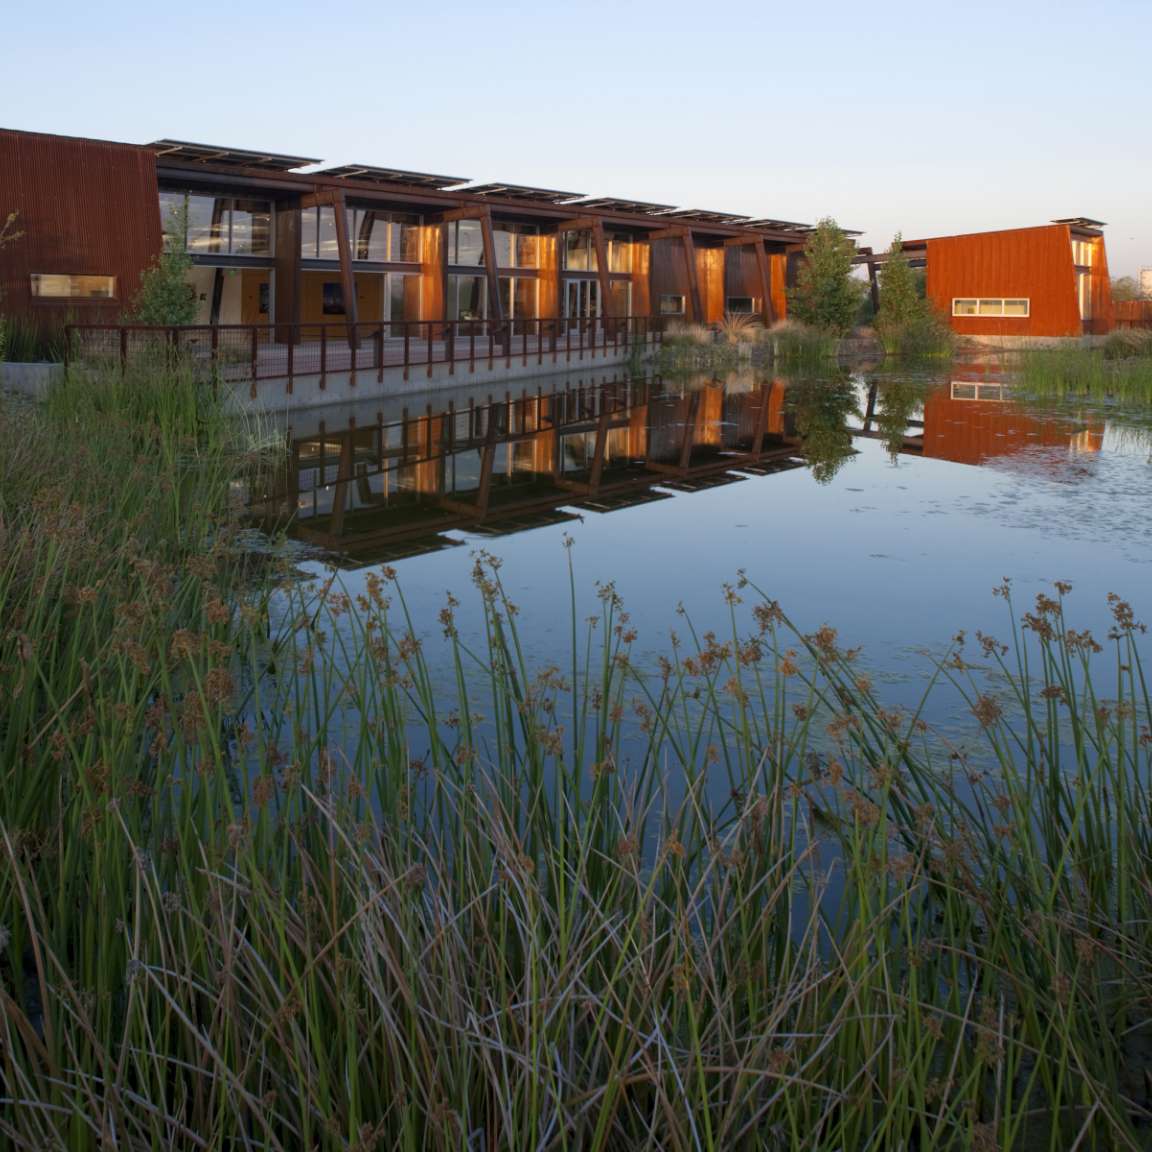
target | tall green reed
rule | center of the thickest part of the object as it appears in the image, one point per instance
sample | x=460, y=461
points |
x=280, y=875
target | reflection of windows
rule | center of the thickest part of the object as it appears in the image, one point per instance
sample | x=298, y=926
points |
x=619, y=252
x=970, y=390
x=333, y=298
x=465, y=242
x=991, y=306
x=218, y=225
x=263, y=298
x=740, y=305
x=516, y=245
x=579, y=252
x=62, y=286
x=671, y=306
x=372, y=235
x=1082, y=252
x=466, y=297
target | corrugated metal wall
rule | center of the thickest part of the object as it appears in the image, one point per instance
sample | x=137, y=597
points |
x=1025, y=262
x=85, y=207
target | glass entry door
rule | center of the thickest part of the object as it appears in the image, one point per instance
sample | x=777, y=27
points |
x=582, y=299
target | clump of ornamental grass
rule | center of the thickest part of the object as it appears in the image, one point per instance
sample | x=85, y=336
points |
x=796, y=345
x=285, y=867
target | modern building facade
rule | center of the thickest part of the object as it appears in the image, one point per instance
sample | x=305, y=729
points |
x=282, y=242
x=1046, y=281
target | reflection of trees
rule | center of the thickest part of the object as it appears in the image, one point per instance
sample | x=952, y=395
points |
x=821, y=409
x=897, y=403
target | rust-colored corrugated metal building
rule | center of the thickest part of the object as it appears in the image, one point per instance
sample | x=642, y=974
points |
x=1050, y=280
x=87, y=210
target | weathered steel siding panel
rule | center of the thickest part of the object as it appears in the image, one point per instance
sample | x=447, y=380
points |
x=86, y=207
x=1025, y=262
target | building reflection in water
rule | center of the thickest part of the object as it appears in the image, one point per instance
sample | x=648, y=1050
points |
x=396, y=486
x=400, y=484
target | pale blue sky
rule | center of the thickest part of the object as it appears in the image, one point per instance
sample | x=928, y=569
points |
x=925, y=117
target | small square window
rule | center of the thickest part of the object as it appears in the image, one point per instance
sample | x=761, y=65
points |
x=991, y=308
x=740, y=305
x=671, y=305
x=963, y=307
x=1015, y=307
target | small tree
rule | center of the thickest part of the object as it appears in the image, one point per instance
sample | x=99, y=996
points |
x=826, y=296
x=1125, y=288
x=165, y=297
x=907, y=322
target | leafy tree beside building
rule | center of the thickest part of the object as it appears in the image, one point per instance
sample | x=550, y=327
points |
x=826, y=295
x=907, y=323
x=165, y=296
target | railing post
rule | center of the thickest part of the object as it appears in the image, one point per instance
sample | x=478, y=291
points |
x=255, y=351
x=323, y=357
x=450, y=349
x=123, y=350
x=380, y=355
x=406, y=355
x=430, y=349
x=353, y=341
x=291, y=359
x=472, y=349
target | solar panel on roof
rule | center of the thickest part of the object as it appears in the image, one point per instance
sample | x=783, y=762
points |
x=236, y=157
x=612, y=204
x=704, y=217
x=778, y=225
x=522, y=192
x=1082, y=221
x=391, y=176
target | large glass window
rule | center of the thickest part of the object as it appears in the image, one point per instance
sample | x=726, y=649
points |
x=251, y=228
x=405, y=237
x=516, y=245
x=519, y=298
x=465, y=242
x=621, y=295
x=403, y=300
x=219, y=225
x=466, y=297
x=63, y=286
x=327, y=245
x=619, y=252
x=369, y=232
x=579, y=252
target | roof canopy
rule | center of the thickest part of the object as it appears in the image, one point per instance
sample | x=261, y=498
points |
x=391, y=176
x=522, y=192
x=235, y=157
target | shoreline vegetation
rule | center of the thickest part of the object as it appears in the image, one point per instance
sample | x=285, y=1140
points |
x=267, y=884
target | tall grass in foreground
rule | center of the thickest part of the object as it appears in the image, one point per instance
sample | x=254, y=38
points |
x=268, y=883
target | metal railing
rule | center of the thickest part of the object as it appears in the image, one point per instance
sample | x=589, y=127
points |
x=236, y=353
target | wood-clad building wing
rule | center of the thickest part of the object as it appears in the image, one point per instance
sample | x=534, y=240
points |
x=287, y=250
x=89, y=220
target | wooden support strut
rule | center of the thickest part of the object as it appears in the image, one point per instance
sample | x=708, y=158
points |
x=347, y=276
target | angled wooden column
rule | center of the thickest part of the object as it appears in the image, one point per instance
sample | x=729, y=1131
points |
x=492, y=270
x=286, y=286
x=765, y=284
x=600, y=247
x=482, y=213
x=347, y=275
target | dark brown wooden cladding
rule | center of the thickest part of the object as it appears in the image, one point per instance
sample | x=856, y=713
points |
x=86, y=207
